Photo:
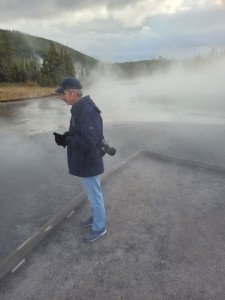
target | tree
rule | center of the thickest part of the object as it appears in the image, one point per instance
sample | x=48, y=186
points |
x=56, y=65
x=5, y=58
x=52, y=64
x=68, y=66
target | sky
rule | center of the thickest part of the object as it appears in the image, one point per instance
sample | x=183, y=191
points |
x=122, y=30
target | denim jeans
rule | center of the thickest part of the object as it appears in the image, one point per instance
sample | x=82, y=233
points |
x=93, y=191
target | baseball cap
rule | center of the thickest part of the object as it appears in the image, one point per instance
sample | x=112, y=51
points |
x=69, y=83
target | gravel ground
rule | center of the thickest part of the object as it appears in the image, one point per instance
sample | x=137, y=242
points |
x=165, y=240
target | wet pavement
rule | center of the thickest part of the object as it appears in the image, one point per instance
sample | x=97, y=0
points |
x=34, y=180
x=165, y=240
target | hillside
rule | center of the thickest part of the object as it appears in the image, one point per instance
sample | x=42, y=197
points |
x=24, y=57
x=27, y=45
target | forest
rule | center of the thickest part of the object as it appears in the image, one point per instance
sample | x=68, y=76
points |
x=25, y=58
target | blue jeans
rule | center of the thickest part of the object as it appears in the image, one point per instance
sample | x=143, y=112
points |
x=93, y=190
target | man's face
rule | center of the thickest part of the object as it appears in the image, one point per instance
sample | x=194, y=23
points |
x=69, y=97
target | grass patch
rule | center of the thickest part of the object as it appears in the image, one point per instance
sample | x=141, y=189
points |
x=15, y=91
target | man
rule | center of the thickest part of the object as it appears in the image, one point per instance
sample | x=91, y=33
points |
x=83, y=142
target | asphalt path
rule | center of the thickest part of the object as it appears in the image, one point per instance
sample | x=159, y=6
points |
x=165, y=240
x=34, y=180
x=35, y=183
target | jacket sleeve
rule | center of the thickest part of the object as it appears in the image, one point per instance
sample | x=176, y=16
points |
x=89, y=134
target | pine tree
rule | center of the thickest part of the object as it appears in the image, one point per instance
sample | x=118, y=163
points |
x=56, y=65
x=67, y=63
x=52, y=65
x=5, y=59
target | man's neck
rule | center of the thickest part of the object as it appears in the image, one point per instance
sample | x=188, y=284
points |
x=77, y=99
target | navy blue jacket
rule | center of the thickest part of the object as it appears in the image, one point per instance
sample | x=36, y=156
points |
x=84, y=140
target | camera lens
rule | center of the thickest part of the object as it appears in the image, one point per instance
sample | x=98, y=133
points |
x=111, y=151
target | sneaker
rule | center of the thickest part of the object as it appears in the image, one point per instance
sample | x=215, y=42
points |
x=87, y=222
x=94, y=235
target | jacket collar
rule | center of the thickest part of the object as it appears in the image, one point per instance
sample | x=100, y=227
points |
x=78, y=106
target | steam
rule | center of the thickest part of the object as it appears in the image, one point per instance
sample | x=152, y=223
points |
x=190, y=93
x=185, y=92
x=33, y=169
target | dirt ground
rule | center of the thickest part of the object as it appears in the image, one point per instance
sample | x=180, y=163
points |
x=165, y=240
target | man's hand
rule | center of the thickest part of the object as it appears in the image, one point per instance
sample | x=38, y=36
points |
x=60, y=139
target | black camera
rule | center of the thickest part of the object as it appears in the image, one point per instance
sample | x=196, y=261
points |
x=107, y=149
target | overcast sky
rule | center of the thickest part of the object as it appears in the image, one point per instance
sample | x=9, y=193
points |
x=122, y=30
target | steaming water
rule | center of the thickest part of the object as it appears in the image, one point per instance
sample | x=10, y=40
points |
x=191, y=95
x=44, y=115
x=187, y=94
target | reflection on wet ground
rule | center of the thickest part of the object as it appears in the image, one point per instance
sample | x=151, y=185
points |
x=33, y=116
x=34, y=180
x=42, y=115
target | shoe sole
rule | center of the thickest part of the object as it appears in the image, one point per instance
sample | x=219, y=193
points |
x=89, y=241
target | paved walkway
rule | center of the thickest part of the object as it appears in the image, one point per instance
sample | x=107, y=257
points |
x=165, y=240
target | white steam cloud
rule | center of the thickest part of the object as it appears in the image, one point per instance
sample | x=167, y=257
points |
x=181, y=94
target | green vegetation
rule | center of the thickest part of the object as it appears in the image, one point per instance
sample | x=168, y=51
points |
x=145, y=67
x=56, y=64
x=27, y=58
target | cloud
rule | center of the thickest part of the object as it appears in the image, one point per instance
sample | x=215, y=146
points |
x=116, y=29
x=137, y=12
x=130, y=13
